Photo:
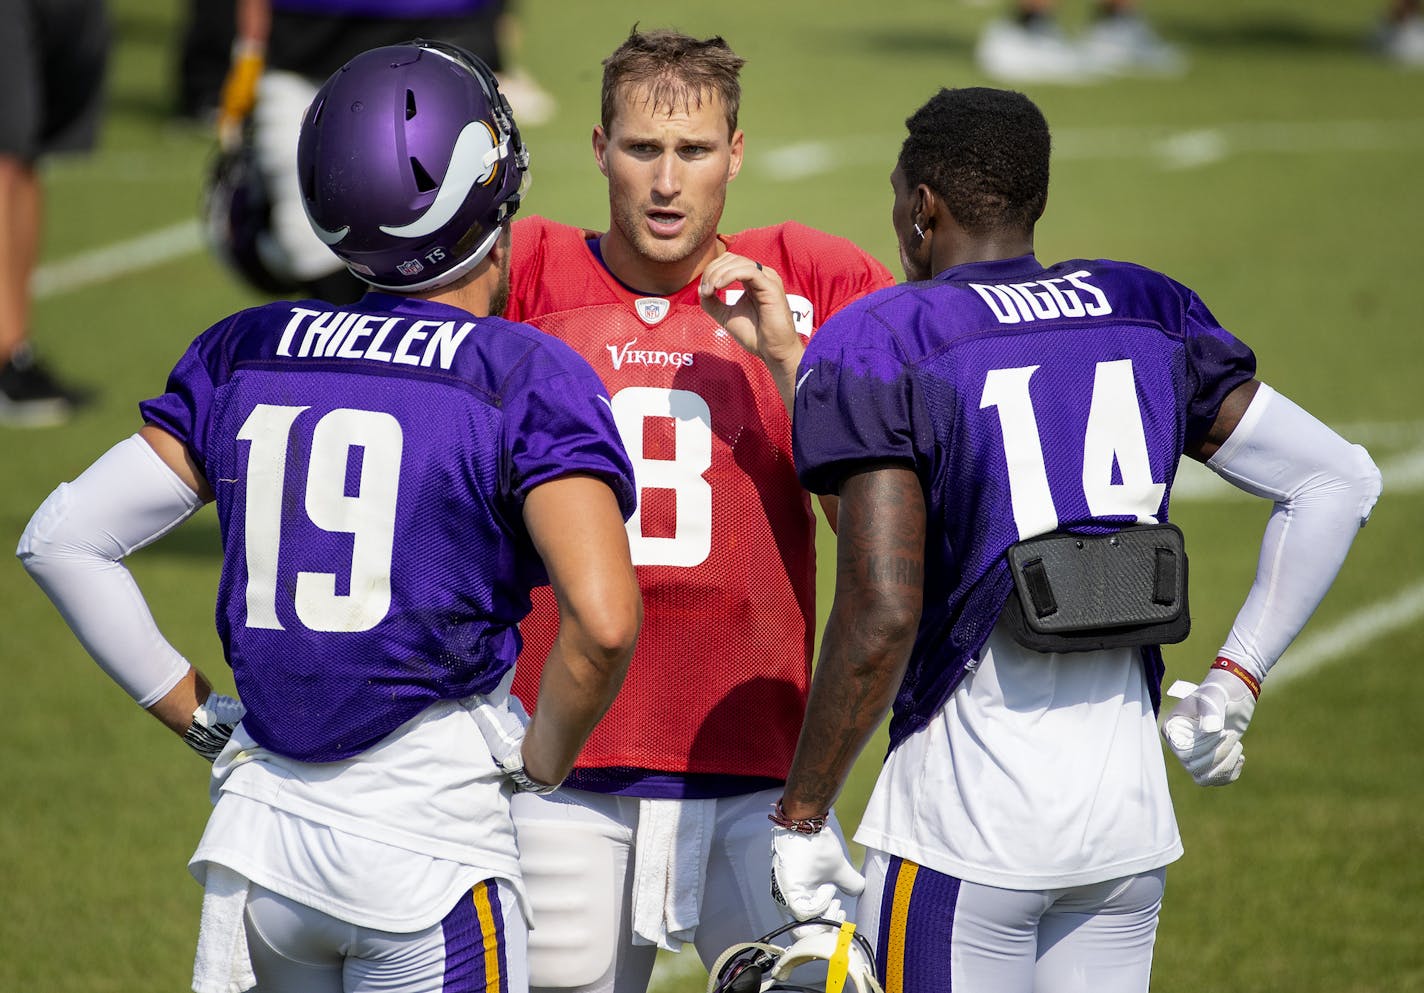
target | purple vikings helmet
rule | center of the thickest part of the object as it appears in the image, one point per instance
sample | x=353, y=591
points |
x=409, y=162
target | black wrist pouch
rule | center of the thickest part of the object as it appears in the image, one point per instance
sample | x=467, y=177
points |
x=1080, y=593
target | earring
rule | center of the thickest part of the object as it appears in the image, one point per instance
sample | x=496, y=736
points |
x=919, y=231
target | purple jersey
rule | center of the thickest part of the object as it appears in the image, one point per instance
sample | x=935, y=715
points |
x=370, y=466
x=1027, y=400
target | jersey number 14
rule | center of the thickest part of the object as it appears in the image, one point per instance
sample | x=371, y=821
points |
x=1114, y=436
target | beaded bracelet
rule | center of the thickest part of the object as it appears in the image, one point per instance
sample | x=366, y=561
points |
x=801, y=825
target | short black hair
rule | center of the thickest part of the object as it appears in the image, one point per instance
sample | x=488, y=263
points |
x=985, y=152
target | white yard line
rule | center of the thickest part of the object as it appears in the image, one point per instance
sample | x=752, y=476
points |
x=119, y=259
x=1173, y=149
x=1351, y=635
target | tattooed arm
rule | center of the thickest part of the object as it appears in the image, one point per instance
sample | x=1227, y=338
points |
x=869, y=634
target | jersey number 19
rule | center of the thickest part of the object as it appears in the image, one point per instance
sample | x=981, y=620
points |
x=369, y=516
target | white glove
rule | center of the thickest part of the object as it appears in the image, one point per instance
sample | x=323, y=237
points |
x=808, y=870
x=213, y=724
x=502, y=725
x=1204, y=730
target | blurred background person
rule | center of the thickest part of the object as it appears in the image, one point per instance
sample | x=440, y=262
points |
x=282, y=50
x=1030, y=46
x=534, y=104
x=202, y=59
x=1400, y=35
x=54, y=54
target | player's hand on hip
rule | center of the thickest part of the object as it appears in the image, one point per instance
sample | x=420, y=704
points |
x=1204, y=730
x=503, y=728
x=213, y=723
x=809, y=871
x=760, y=319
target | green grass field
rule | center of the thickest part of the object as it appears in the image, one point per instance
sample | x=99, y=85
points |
x=1281, y=178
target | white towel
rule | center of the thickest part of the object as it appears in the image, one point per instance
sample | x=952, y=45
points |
x=669, y=870
x=222, y=964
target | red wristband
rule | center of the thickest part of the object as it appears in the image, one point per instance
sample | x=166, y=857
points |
x=801, y=825
x=1252, y=683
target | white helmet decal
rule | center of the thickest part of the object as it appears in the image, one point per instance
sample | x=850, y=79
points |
x=328, y=237
x=472, y=162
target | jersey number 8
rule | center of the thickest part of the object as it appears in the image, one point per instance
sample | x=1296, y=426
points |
x=691, y=541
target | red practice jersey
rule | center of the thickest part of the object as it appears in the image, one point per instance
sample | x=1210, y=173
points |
x=723, y=538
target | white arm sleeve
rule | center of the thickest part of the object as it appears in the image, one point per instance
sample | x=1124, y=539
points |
x=1323, y=488
x=73, y=546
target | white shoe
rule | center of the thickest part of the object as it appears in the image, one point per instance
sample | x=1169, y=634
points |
x=1125, y=44
x=1037, y=52
x=1402, y=42
x=532, y=104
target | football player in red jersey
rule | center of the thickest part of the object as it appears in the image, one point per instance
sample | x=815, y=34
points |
x=662, y=838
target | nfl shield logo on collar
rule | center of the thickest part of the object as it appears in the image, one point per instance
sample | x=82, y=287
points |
x=651, y=309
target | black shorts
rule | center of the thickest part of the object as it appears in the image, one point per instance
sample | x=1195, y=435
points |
x=316, y=45
x=53, y=54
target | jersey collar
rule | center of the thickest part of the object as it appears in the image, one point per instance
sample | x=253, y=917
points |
x=1022, y=265
x=594, y=242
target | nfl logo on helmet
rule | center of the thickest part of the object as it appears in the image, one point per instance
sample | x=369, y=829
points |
x=410, y=267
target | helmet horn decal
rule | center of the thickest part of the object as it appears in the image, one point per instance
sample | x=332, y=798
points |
x=471, y=163
x=329, y=237
x=764, y=967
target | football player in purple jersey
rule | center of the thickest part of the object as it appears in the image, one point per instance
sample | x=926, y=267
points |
x=391, y=479
x=992, y=406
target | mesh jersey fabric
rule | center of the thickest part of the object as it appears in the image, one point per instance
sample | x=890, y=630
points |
x=724, y=537
x=369, y=466
x=1028, y=400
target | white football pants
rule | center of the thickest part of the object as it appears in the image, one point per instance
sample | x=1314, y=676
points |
x=578, y=854
x=934, y=933
x=293, y=249
x=480, y=947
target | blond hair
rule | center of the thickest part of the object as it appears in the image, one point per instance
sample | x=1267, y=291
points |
x=677, y=69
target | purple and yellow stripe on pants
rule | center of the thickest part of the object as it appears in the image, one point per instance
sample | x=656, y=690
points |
x=474, y=943
x=916, y=925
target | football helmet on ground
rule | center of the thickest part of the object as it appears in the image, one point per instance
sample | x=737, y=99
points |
x=409, y=163
x=762, y=966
